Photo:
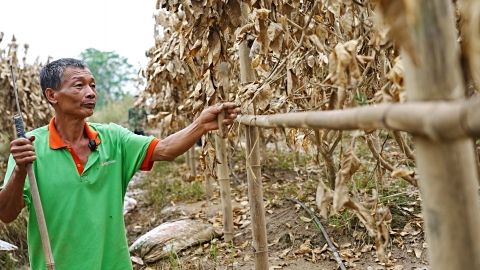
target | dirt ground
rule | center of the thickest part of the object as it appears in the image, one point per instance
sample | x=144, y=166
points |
x=294, y=241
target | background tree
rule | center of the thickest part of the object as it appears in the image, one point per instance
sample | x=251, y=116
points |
x=112, y=73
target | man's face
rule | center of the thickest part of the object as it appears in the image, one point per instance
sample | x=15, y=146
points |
x=77, y=94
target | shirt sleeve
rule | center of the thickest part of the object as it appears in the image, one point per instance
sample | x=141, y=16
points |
x=134, y=150
x=147, y=164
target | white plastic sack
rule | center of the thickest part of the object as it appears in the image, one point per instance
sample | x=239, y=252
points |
x=128, y=204
x=7, y=246
x=171, y=237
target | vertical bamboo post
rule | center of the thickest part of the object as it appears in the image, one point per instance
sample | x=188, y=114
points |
x=193, y=168
x=208, y=185
x=223, y=174
x=187, y=158
x=263, y=146
x=224, y=180
x=447, y=169
x=255, y=192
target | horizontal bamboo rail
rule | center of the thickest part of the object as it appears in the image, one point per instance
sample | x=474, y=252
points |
x=438, y=120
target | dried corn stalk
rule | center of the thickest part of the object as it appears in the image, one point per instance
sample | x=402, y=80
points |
x=36, y=111
x=306, y=56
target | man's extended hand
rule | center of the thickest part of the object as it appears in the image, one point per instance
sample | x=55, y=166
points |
x=23, y=151
x=208, y=117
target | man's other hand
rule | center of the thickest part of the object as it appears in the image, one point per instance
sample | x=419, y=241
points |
x=208, y=117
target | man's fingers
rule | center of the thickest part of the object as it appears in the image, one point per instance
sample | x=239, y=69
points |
x=23, y=151
x=25, y=157
x=20, y=142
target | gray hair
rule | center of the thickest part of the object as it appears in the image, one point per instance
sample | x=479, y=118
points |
x=51, y=75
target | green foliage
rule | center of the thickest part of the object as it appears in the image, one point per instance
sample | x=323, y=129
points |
x=232, y=252
x=111, y=71
x=173, y=258
x=343, y=220
x=213, y=249
x=361, y=98
x=115, y=112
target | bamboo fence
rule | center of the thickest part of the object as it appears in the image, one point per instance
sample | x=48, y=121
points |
x=436, y=120
x=442, y=123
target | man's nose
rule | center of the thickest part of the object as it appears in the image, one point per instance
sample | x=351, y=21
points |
x=91, y=92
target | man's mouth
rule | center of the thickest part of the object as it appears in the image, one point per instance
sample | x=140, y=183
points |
x=89, y=105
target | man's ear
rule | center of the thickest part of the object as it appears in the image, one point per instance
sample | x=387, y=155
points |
x=51, y=95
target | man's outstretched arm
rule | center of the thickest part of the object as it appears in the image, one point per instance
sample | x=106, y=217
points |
x=11, y=197
x=178, y=143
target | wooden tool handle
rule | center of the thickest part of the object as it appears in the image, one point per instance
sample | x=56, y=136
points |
x=47, y=250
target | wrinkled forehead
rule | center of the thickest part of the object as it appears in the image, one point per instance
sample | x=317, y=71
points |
x=75, y=73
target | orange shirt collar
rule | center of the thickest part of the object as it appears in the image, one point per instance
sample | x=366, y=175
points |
x=56, y=141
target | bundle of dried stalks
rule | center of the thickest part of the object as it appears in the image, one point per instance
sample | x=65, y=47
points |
x=36, y=111
x=306, y=56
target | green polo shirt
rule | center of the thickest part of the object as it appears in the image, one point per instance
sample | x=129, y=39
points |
x=83, y=207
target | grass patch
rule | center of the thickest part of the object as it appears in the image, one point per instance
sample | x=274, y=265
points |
x=286, y=161
x=164, y=184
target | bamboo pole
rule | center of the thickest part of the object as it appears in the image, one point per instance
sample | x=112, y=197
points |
x=255, y=195
x=193, y=168
x=254, y=170
x=449, y=180
x=37, y=203
x=187, y=158
x=208, y=185
x=224, y=180
x=438, y=120
x=223, y=175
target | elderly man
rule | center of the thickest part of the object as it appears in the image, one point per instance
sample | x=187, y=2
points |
x=83, y=170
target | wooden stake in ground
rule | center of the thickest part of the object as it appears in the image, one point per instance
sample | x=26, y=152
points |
x=254, y=171
x=191, y=163
x=447, y=169
x=208, y=184
x=223, y=175
x=187, y=158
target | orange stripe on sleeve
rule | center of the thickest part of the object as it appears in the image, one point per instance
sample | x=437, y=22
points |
x=147, y=165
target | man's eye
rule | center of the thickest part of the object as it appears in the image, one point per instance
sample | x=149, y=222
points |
x=93, y=86
x=78, y=85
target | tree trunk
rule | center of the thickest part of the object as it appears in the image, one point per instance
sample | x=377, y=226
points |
x=447, y=169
